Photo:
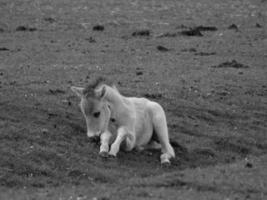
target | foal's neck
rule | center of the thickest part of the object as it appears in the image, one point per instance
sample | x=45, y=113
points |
x=120, y=106
x=113, y=96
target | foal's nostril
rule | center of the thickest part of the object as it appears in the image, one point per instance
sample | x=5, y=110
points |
x=96, y=114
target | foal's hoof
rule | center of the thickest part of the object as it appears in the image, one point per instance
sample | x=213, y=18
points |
x=112, y=156
x=166, y=163
x=103, y=154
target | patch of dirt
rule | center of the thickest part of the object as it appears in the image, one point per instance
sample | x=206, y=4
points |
x=231, y=64
x=26, y=28
x=206, y=28
x=141, y=33
x=4, y=49
x=192, y=32
x=162, y=48
x=233, y=27
x=98, y=28
x=189, y=31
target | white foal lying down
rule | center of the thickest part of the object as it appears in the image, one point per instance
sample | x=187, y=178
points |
x=126, y=122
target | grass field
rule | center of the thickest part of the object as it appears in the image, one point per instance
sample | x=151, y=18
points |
x=203, y=61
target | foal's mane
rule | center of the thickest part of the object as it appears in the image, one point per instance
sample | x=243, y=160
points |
x=95, y=83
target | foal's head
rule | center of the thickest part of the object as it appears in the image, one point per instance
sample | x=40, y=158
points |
x=94, y=107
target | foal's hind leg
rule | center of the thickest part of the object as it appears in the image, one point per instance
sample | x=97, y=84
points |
x=161, y=130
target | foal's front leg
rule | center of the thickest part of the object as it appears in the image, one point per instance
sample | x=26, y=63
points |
x=123, y=134
x=104, y=146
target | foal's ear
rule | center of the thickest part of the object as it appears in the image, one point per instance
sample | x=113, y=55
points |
x=78, y=91
x=100, y=92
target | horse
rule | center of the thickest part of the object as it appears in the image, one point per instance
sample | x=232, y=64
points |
x=123, y=122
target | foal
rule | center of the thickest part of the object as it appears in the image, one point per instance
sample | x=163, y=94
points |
x=126, y=122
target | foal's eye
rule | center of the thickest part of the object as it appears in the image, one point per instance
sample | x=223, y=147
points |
x=96, y=114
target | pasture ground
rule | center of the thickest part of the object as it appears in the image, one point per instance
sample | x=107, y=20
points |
x=204, y=61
